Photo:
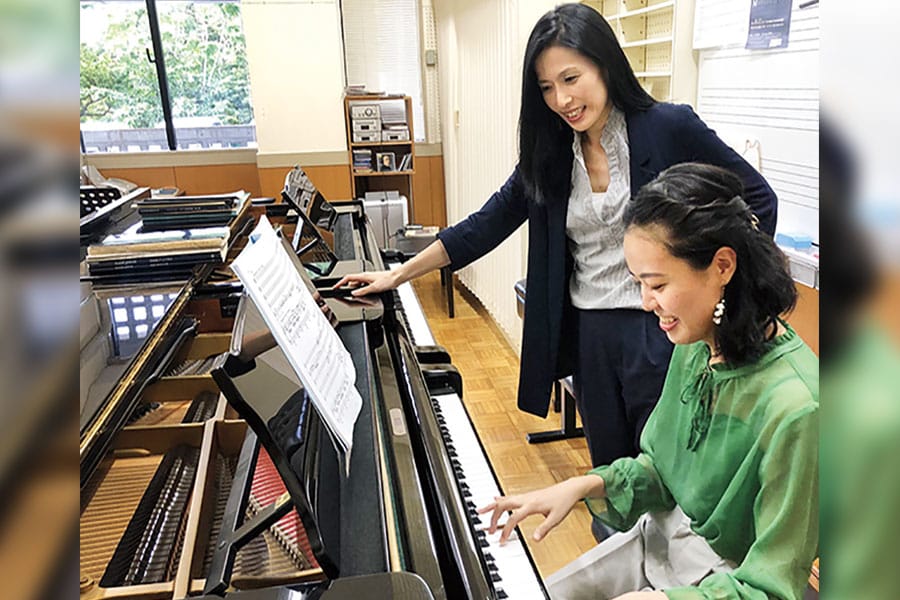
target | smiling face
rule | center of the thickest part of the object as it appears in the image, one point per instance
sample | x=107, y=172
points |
x=573, y=88
x=681, y=296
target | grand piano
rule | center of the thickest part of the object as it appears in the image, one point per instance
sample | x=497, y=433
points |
x=184, y=493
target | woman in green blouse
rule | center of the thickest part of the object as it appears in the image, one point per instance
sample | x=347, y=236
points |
x=722, y=502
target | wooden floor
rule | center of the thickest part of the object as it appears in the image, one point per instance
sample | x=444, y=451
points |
x=489, y=369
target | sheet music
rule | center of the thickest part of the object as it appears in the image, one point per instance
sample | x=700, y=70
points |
x=304, y=334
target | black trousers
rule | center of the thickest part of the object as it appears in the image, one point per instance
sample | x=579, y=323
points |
x=621, y=365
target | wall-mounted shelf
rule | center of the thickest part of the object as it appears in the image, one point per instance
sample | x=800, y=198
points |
x=382, y=173
x=372, y=144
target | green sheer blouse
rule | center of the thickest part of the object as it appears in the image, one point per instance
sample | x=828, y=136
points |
x=737, y=450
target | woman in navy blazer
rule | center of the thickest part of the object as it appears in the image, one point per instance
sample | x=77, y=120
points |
x=575, y=78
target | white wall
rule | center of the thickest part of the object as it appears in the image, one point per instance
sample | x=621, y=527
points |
x=296, y=74
x=480, y=51
x=771, y=96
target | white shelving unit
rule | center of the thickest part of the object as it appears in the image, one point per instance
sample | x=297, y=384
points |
x=656, y=36
x=640, y=11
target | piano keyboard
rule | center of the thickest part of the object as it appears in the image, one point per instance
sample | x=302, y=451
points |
x=512, y=572
x=415, y=317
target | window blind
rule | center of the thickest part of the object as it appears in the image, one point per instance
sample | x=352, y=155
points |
x=381, y=50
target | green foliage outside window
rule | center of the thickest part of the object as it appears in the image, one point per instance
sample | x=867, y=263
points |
x=205, y=60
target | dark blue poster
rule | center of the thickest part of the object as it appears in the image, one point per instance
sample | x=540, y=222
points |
x=770, y=24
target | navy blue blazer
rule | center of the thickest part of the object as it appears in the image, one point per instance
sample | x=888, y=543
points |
x=664, y=135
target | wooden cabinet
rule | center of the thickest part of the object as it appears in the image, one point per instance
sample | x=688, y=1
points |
x=381, y=145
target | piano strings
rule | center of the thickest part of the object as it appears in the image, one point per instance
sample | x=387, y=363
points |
x=149, y=549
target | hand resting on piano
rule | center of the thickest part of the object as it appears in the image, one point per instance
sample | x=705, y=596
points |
x=430, y=259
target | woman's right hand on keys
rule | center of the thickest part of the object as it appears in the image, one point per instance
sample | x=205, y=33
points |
x=554, y=503
x=369, y=283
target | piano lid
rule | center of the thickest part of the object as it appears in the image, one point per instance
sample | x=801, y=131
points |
x=115, y=325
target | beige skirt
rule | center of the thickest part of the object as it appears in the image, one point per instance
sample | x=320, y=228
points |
x=660, y=551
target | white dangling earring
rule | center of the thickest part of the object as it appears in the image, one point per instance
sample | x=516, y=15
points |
x=719, y=311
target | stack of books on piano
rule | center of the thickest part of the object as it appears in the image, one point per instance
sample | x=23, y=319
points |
x=150, y=254
x=185, y=212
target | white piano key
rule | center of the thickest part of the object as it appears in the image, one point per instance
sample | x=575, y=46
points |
x=420, y=331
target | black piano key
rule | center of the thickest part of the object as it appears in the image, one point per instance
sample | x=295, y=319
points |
x=501, y=594
x=492, y=566
x=488, y=557
x=483, y=543
x=495, y=577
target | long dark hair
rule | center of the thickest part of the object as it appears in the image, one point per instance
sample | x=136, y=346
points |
x=545, y=140
x=700, y=208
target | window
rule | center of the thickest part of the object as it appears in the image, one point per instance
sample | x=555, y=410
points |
x=381, y=50
x=164, y=75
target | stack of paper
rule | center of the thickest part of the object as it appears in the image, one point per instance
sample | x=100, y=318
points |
x=148, y=254
x=306, y=337
x=184, y=212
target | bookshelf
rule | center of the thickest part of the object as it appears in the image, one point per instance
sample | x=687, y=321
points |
x=656, y=36
x=376, y=163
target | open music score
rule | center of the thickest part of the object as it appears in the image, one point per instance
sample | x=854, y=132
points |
x=304, y=334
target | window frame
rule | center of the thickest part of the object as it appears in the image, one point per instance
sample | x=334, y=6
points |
x=158, y=60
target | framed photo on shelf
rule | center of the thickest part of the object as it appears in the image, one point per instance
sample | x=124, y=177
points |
x=386, y=161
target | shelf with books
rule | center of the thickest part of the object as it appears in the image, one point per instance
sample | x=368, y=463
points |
x=383, y=173
x=377, y=164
